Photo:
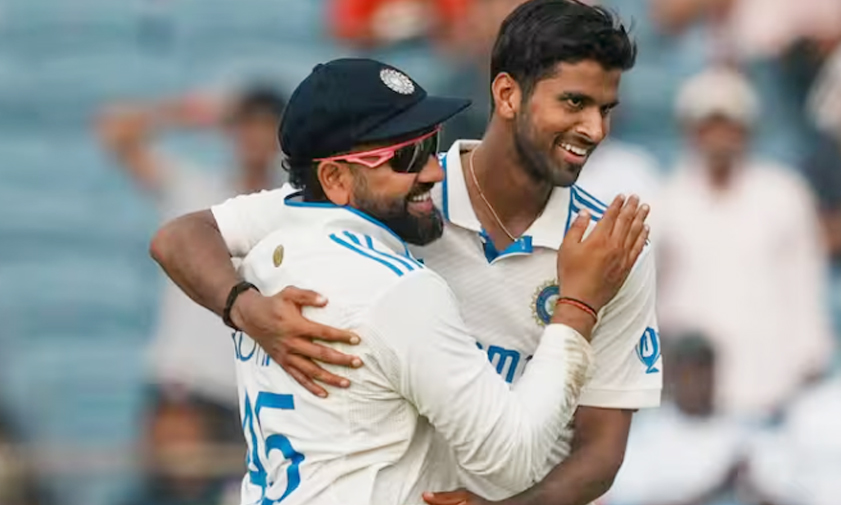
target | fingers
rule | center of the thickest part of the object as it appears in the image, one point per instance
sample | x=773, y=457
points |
x=637, y=226
x=612, y=213
x=302, y=297
x=302, y=379
x=625, y=218
x=323, y=353
x=578, y=227
x=329, y=334
x=449, y=498
x=313, y=371
x=639, y=245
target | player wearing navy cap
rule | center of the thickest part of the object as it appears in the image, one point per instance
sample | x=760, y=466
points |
x=508, y=203
x=365, y=166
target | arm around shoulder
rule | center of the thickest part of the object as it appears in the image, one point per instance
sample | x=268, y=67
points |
x=495, y=432
x=192, y=252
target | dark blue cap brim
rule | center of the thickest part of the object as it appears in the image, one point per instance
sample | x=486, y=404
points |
x=424, y=115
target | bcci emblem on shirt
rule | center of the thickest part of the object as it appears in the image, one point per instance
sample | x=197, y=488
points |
x=543, y=303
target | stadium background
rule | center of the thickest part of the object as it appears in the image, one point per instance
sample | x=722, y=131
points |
x=79, y=292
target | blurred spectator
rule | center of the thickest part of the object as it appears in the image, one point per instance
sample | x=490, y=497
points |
x=823, y=167
x=686, y=452
x=825, y=97
x=686, y=36
x=17, y=480
x=192, y=347
x=381, y=22
x=754, y=28
x=800, y=462
x=183, y=463
x=742, y=257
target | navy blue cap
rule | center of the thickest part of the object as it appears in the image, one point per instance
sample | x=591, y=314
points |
x=347, y=102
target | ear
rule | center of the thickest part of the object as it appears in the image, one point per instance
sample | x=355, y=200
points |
x=336, y=181
x=507, y=95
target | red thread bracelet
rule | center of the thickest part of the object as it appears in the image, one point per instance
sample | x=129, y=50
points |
x=579, y=305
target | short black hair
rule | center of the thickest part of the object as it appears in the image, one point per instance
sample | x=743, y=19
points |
x=539, y=34
x=303, y=175
x=259, y=100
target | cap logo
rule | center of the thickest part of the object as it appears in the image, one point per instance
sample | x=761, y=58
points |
x=397, y=82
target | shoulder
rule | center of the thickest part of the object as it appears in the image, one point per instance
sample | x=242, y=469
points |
x=581, y=199
x=348, y=262
x=267, y=199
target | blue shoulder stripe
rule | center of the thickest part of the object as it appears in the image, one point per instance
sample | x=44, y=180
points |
x=368, y=245
x=584, y=194
x=359, y=250
x=579, y=202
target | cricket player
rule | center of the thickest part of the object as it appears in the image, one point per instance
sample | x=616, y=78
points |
x=345, y=236
x=508, y=201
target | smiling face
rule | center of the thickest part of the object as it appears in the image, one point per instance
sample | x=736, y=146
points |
x=399, y=199
x=558, y=125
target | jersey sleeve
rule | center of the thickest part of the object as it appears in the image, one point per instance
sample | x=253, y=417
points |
x=245, y=220
x=495, y=432
x=628, y=369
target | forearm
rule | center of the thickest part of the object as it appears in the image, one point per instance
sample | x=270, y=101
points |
x=597, y=453
x=579, y=480
x=193, y=254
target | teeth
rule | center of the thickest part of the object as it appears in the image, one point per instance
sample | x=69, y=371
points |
x=421, y=197
x=575, y=150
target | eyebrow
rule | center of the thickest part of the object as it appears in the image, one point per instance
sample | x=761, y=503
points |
x=587, y=99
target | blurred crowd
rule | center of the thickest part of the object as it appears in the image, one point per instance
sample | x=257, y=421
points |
x=729, y=126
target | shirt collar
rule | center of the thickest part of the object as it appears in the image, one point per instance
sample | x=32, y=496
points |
x=342, y=218
x=548, y=229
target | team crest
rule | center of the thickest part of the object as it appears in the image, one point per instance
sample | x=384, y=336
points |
x=648, y=350
x=397, y=81
x=543, y=303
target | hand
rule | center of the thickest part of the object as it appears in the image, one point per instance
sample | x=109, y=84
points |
x=276, y=323
x=460, y=497
x=593, y=269
x=197, y=109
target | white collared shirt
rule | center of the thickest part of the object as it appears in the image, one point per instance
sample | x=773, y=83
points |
x=374, y=442
x=506, y=298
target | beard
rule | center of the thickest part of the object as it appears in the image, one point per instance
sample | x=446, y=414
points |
x=395, y=214
x=538, y=163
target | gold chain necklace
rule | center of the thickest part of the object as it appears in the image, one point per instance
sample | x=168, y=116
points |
x=482, y=196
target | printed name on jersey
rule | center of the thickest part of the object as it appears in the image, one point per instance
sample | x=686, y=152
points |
x=506, y=361
x=246, y=353
x=543, y=302
x=648, y=350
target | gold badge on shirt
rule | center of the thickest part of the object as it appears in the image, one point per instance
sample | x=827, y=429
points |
x=277, y=256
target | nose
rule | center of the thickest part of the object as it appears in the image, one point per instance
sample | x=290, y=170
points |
x=432, y=171
x=593, y=125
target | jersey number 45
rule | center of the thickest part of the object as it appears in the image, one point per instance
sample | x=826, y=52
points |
x=257, y=460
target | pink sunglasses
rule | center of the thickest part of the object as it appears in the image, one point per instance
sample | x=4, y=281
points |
x=409, y=156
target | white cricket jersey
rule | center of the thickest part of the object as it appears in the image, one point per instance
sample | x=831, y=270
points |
x=506, y=298
x=377, y=442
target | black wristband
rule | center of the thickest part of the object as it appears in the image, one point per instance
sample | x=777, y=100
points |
x=237, y=290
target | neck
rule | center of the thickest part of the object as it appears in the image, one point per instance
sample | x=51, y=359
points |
x=720, y=173
x=515, y=196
